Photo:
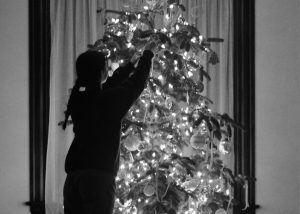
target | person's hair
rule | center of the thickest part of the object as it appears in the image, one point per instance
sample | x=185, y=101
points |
x=88, y=69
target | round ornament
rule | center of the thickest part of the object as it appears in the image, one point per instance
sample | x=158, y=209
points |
x=198, y=140
x=131, y=143
x=149, y=190
x=220, y=211
x=225, y=146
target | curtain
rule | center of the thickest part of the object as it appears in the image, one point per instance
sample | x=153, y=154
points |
x=75, y=24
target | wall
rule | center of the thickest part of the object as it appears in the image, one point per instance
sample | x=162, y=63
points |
x=277, y=106
x=14, y=127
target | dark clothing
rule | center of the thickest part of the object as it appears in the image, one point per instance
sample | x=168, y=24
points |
x=97, y=115
x=93, y=159
x=84, y=192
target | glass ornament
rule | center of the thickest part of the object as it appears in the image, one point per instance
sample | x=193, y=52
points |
x=225, y=146
x=132, y=142
x=149, y=190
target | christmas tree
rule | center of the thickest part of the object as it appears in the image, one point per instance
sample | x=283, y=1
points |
x=171, y=140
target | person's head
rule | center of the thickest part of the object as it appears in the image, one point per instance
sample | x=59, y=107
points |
x=91, y=68
x=91, y=73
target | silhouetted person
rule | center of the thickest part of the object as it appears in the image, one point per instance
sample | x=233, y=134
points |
x=97, y=109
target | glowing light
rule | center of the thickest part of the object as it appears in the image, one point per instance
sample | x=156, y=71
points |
x=200, y=38
x=167, y=17
x=108, y=54
x=194, y=40
x=227, y=192
x=186, y=110
x=199, y=174
x=171, y=6
x=164, y=30
x=119, y=33
x=146, y=8
x=129, y=45
x=162, y=147
x=163, y=46
x=177, y=27
x=139, y=16
x=160, y=77
x=190, y=74
x=170, y=86
x=175, y=62
x=122, y=166
x=158, y=92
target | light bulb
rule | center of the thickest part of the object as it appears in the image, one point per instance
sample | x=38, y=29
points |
x=194, y=40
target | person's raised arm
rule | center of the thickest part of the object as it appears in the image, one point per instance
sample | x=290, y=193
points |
x=121, y=73
x=123, y=97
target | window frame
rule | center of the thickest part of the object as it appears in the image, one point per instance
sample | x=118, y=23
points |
x=244, y=99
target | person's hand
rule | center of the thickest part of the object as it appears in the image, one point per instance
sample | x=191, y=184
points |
x=135, y=57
